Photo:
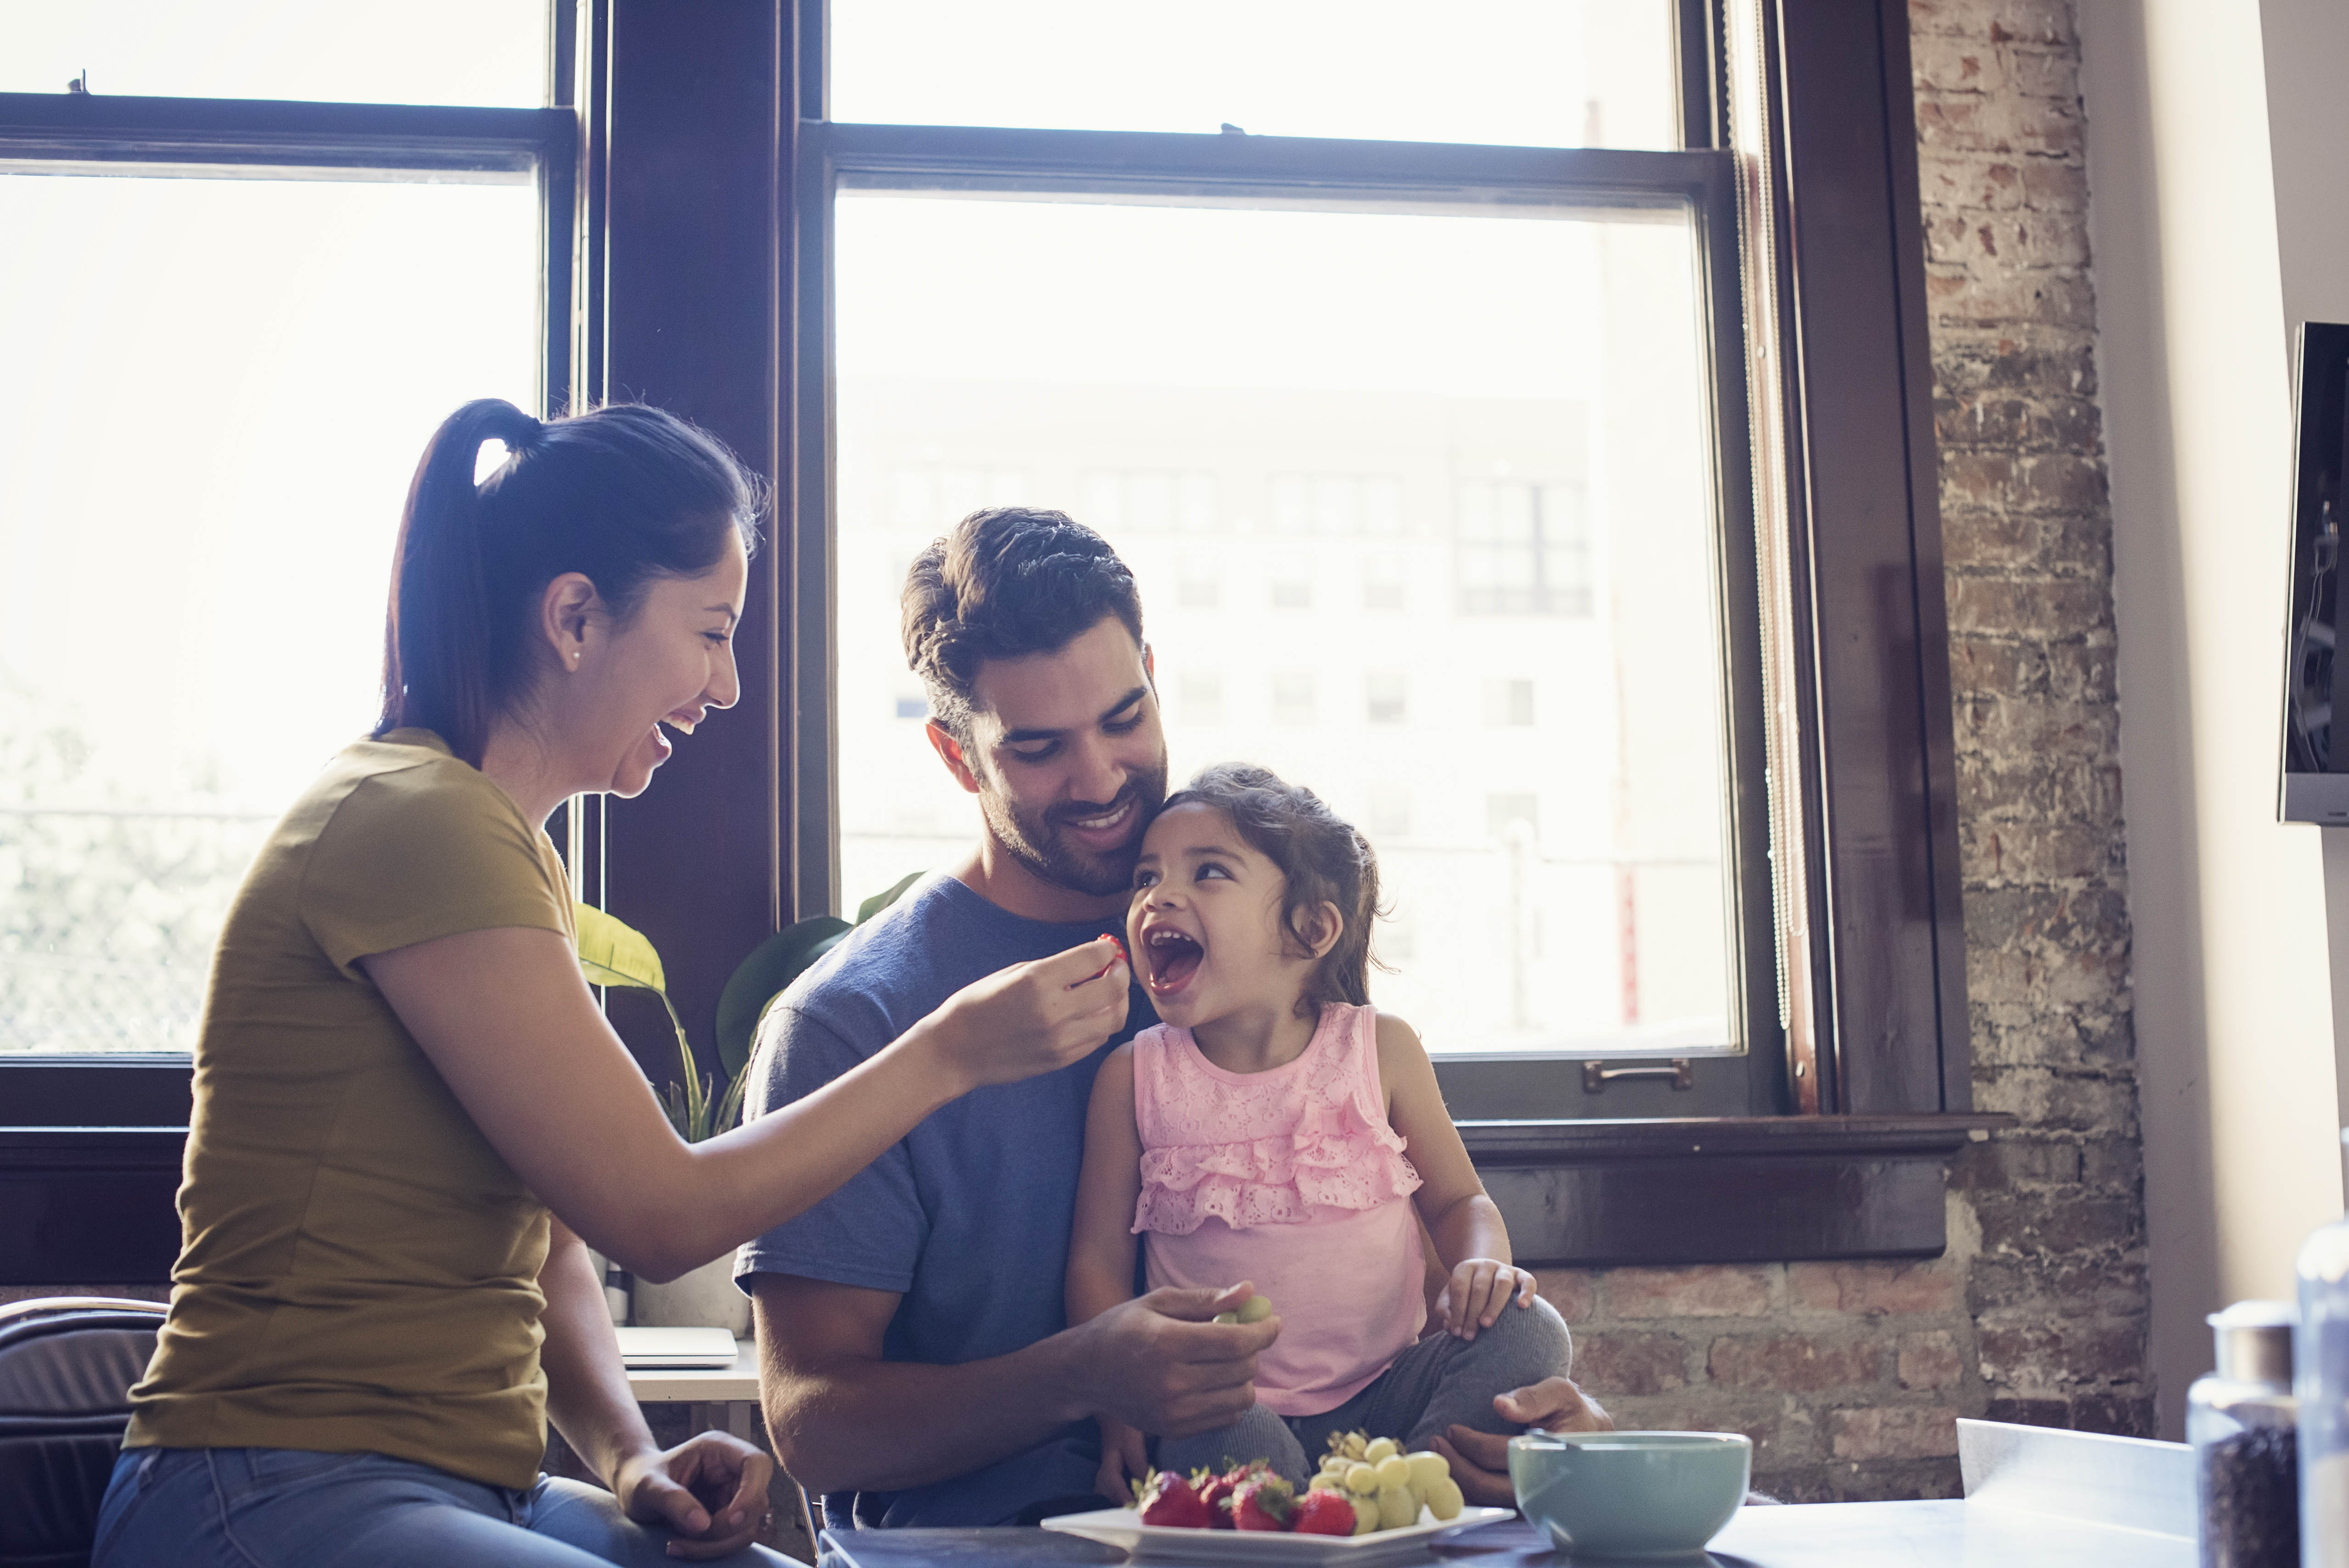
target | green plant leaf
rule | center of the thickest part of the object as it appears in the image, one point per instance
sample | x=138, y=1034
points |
x=772, y=965
x=880, y=902
x=612, y=953
x=729, y=1109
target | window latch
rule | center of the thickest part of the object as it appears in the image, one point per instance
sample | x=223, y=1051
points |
x=1597, y=1075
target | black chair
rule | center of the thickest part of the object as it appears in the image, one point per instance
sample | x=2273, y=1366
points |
x=66, y=1364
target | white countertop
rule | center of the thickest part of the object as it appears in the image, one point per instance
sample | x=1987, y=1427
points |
x=1935, y=1535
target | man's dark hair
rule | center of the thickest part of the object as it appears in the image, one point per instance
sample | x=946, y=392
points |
x=1008, y=581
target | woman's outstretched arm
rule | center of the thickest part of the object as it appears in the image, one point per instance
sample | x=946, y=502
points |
x=510, y=1024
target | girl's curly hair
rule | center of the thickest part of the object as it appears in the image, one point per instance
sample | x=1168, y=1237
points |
x=1324, y=857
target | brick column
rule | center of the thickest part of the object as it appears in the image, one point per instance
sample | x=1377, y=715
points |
x=2058, y=1290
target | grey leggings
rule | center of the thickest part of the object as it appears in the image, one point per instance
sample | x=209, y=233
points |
x=1437, y=1383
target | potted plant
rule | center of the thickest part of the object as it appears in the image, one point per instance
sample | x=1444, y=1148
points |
x=612, y=953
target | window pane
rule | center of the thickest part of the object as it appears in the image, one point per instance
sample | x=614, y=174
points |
x=1531, y=73
x=490, y=52
x=216, y=392
x=1457, y=578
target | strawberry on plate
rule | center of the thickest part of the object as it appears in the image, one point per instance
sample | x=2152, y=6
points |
x=1217, y=1492
x=1323, y=1513
x=1263, y=1502
x=1168, y=1499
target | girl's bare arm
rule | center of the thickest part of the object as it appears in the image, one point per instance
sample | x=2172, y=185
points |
x=1470, y=1236
x=1101, y=1243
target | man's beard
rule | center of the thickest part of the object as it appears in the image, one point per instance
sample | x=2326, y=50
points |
x=1035, y=841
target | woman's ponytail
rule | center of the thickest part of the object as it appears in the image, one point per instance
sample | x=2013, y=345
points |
x=435, y=645
x=621, y=494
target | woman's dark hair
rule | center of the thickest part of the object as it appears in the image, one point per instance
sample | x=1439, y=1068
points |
x=1008, y=581
x=623, y=496
x=1323, y=856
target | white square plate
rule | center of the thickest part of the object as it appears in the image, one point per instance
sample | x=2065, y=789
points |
x=1123, y=1527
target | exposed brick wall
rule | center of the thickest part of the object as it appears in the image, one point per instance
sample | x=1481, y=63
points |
x=2058, y=1287
x=1849, y=1376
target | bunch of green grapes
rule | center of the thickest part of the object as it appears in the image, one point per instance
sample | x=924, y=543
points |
x=1387, y=1487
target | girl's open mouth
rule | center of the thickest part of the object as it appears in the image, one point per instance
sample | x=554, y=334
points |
x=1173, y=957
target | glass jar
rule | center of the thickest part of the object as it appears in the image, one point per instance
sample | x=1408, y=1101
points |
x=2241, y=1420
x=2322, y=1358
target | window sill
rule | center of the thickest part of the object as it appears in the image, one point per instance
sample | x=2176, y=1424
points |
x=95, y=1205
x=1723, y=1189
x=89, y=1206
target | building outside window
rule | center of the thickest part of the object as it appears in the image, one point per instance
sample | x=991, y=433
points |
x=1524, y=549
x=1292, y=699
x=1200, y=699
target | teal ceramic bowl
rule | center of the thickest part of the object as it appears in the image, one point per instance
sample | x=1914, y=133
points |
x=1641, y=1496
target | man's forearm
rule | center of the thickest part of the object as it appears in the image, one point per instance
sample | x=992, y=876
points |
x=866, y=1425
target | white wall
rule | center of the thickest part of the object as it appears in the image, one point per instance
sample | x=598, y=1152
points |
x=2234, y=1000
x=2306, y=46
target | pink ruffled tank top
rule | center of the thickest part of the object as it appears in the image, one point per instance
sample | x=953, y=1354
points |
x=1292, y=1178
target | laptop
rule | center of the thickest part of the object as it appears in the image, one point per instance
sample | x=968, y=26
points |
x=644, y=1349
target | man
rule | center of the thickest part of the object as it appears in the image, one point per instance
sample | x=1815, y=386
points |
x=913, y=1360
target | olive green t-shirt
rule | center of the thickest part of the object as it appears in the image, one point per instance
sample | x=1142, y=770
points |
x=359, y=1268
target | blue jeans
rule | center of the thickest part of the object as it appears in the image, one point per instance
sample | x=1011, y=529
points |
x=288, y=1508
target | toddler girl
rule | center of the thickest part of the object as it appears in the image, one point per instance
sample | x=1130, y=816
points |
x=1277, y=1129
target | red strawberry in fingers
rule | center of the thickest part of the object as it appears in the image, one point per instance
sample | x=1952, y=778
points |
x=1119, y=944
x=1263, y=1503
x=1323, y=1513
x=1168, y=1499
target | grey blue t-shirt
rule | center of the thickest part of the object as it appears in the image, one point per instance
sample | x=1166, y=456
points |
x=968, y=1217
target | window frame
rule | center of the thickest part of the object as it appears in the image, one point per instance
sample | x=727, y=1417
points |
x=84, y=1202
x=1747, y=1075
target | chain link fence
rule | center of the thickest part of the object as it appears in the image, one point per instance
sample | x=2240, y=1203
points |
x=109, y=920
x=111, y=895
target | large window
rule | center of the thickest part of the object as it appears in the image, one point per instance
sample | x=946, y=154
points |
x=1414, y=449
x=227, y=328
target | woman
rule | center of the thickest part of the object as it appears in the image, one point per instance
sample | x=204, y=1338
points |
x=411, y=1120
